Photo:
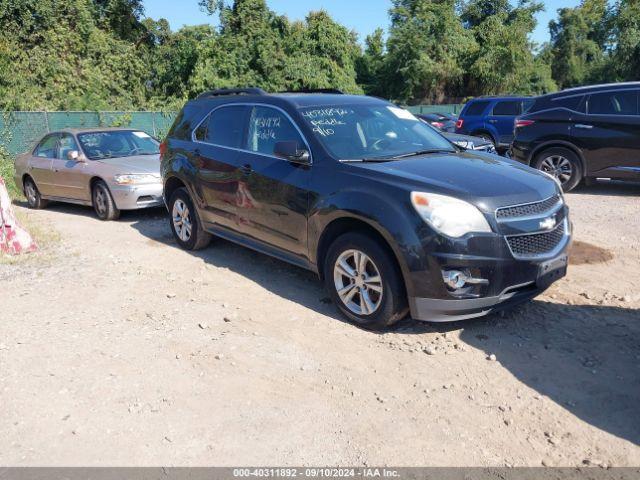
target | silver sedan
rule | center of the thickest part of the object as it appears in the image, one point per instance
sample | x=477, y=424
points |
x=111, y=169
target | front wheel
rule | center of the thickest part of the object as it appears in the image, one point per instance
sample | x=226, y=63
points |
x=562, y=164
x=364, y=281
x=103, y=203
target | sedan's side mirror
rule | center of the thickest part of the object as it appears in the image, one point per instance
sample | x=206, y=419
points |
x=74, y=156
x=290, y=151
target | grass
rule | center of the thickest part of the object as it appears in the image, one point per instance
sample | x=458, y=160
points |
x=44, y=235
x=6, y=172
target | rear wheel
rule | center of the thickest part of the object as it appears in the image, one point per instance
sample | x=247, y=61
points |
x=364, y=281
x=34, y=199
x=487, y=137
x=103, y=203
x=561, y=163
x=185, y=224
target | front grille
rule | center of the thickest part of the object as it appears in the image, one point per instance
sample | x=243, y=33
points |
x=536, y=243
x=527, y=209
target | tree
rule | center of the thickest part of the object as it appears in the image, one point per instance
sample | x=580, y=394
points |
x=626, y=38
x=578, y=43
x=503, y=60
x=426, y=50
x=370, y=65
x=61, y=59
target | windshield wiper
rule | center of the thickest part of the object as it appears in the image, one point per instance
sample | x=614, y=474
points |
x=422, y=152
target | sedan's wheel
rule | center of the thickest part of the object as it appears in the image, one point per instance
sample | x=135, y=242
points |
x=34, y=199
x=185, y=224
x=561, y=164
x=103, y=203
x=364, y=281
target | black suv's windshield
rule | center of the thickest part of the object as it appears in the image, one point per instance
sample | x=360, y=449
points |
x=372, y=132
x=119, y=143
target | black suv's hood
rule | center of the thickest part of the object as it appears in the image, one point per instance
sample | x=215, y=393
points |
x=486, y=180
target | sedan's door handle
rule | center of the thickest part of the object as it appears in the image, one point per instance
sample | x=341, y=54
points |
x=246, y=169
x=583, y=126
x=493, y=121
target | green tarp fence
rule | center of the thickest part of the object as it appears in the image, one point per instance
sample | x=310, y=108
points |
x=20, y=130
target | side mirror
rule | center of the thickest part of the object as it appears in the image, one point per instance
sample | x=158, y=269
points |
x=289, y=151
x=74, y=156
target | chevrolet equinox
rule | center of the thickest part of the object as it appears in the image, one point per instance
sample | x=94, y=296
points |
x=392, y=216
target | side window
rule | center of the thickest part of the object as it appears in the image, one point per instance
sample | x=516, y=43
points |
x=267, y=126
x=47, y=147
x=476, y=108
x=508, y=108
x=614, y=103
x=224, y=126
x=67, y=144
x=572, y=103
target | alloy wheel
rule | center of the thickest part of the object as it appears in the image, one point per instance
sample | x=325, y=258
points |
x=558, y=166
x=182, y=220
x=30, y=191
x=358, y=282
x=101, y=201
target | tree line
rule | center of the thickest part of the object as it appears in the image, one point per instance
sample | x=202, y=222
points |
x=106, y=55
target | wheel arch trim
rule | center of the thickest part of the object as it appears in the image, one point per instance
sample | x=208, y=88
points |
x=559, y=144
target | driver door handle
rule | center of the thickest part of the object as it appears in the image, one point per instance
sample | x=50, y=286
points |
x=583, y=126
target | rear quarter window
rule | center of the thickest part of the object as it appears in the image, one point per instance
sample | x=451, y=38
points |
x=475, y=109
x=508, y=108
x=575, y=103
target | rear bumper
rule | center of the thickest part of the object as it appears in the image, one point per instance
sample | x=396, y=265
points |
x=133, y=197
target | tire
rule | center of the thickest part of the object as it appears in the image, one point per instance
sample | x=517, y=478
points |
x=34, y=199
x=389, y=302
x=487, y=137
x=185, y=223
x=563, y=164
x=103, y=203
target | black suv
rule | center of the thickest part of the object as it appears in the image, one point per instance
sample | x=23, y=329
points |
x=583, y=133
x=392, y=216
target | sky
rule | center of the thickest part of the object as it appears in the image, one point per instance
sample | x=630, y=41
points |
x=363, y=16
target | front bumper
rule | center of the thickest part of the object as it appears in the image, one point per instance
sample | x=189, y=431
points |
x=509, y=278
x=133, y=197
x=437, y=310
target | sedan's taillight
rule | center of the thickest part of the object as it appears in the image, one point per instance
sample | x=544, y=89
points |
x=459, y=123
x=163, y=148
x=523, y=123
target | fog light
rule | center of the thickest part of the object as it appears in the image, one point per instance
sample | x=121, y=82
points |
x=455, y=279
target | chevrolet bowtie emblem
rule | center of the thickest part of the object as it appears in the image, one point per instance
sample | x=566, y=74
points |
x=548, y=223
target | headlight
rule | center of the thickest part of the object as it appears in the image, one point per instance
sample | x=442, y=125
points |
x=136, y=179
x=448, y=215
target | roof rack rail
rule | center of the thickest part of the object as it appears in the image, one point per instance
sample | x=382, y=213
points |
x=317, y=90
x=232, y=91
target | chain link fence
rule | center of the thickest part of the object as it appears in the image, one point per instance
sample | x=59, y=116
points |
x=20, y=130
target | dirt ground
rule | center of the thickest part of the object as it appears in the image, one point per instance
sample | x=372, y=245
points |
x=117, y=348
